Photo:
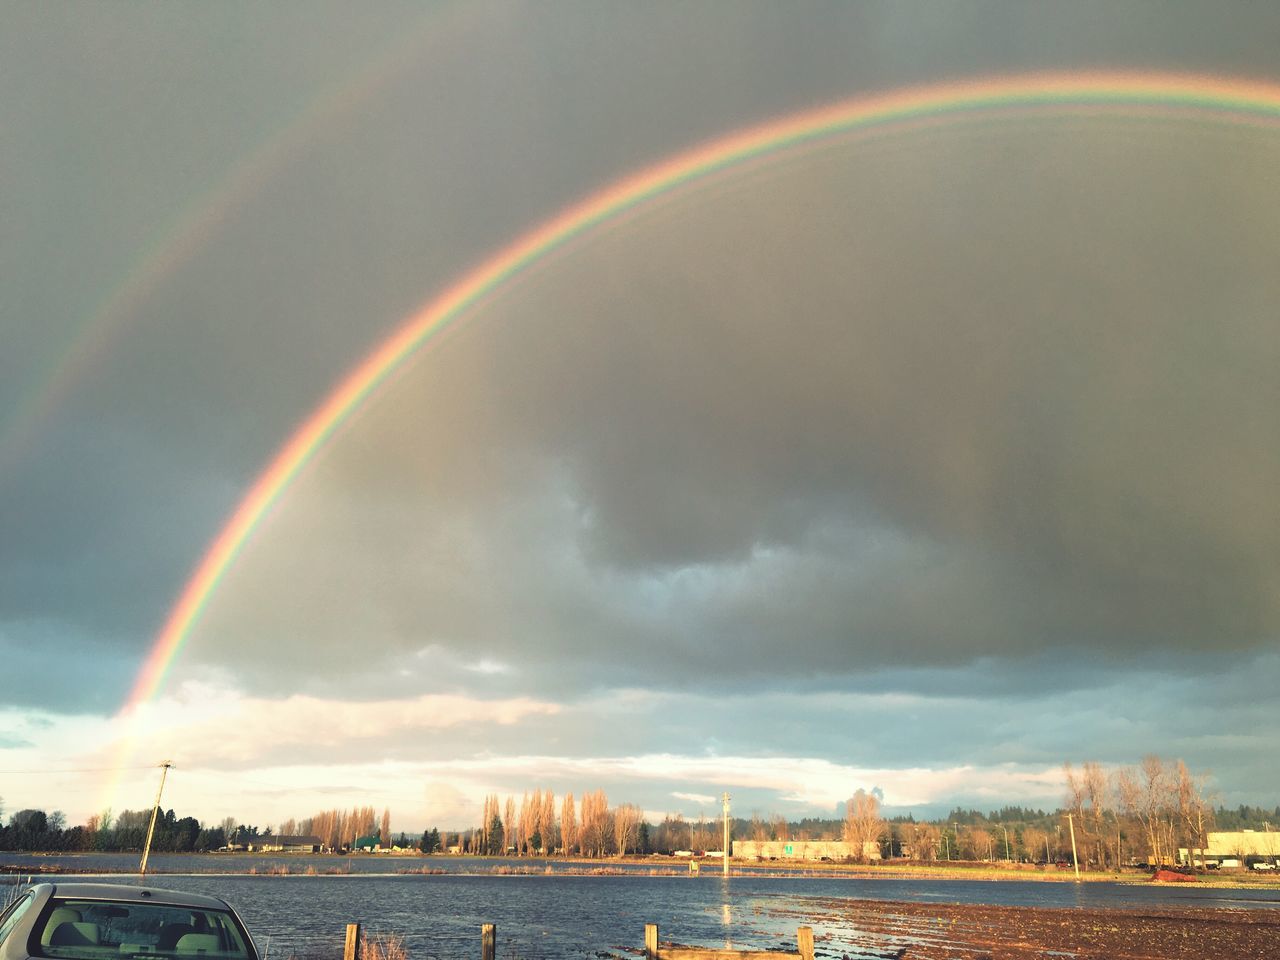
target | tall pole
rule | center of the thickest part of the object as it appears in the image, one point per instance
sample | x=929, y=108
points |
x=1006, y=843
x=146, y=849
x=1074, y=858
x=725, y=800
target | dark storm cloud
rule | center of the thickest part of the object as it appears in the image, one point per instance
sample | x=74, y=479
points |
x=979, y=393
x=659, y=447
x=64, y=668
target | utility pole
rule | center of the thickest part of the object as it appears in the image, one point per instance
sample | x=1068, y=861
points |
x=1074, y=858
x=1006, y=843
x=146, y=849
x=725, y=800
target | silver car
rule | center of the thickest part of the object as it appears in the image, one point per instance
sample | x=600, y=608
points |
x=94, y=921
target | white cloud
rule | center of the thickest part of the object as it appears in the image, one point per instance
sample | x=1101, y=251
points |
x=694, y=797
x=207, y=723
x=488, y=667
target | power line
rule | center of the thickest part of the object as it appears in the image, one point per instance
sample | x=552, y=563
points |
x=75, y=770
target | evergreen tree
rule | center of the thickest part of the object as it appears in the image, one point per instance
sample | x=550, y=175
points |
x=493, y=845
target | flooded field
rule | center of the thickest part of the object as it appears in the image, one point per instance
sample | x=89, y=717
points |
x=565, y=915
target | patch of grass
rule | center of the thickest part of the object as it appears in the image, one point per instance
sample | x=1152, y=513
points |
x=380, y=947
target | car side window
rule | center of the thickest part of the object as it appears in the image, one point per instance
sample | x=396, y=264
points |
x=9, y=919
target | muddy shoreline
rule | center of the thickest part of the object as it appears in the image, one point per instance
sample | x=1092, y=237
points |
x=916, y=931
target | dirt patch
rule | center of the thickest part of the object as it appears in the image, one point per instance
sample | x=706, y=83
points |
x=916, y=931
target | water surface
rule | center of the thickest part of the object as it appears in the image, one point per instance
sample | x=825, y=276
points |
x=561, y=916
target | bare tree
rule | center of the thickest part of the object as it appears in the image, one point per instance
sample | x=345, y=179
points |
x=1195, y=813
x=593, y=832
x=1088, y=801
x=926, y=838
x=568, y=824
x=1156, y=811
x=509, y=839
x=1075, y=791
x=673, y=833
x=489, y=835
x=977, y=843
x=547, y=822
x=1035, y=842
x=1099, y=806
x=862, y=823
x=701, y=840
x=1149, y=796
x=626, y=818
x=525, y=830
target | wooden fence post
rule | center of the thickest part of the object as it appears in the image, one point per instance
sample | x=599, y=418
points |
x=351, y=949
x=804, y=939
x=650, y=941
x=488, y=941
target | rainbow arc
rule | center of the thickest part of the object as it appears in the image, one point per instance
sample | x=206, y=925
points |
x=1225, y=100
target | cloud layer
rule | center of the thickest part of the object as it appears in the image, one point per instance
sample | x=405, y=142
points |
x=907, y=403
x=922, y=461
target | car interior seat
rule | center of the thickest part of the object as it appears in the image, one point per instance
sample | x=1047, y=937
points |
x=171, y=933
x=60, y=915
x=73, y=933
x=197, y=943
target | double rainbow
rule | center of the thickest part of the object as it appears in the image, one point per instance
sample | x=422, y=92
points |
x=1207, y=97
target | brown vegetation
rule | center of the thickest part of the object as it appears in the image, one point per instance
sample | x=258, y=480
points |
x=378, y=947
x=862, y=823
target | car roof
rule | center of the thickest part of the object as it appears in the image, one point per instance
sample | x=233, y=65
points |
x=135, y=894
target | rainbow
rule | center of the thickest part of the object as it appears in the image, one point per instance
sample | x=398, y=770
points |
x=1230, y=100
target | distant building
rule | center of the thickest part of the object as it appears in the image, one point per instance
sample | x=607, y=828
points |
x=800, y=850
x=285, y=844
x=371, y=843
x=1238, y=845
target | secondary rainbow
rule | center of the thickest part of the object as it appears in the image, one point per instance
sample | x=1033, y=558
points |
x=200, y=218
x=1225, y=99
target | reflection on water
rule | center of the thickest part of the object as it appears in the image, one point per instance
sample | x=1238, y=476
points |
x=726, y=913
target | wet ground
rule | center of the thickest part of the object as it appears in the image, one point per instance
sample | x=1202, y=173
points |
x=915, y=931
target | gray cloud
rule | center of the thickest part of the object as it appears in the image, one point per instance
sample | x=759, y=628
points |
x=977, y=393
x=939, y=408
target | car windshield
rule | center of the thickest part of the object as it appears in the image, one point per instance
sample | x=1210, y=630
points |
x=98, y=928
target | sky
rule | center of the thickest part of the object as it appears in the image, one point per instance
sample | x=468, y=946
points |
x=921, y=460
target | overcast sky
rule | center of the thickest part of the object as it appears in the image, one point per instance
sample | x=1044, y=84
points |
x=921, y=462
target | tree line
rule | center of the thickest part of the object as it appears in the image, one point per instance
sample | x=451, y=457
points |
x=126, y=832
x=1144, y=813
x=32, y=829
